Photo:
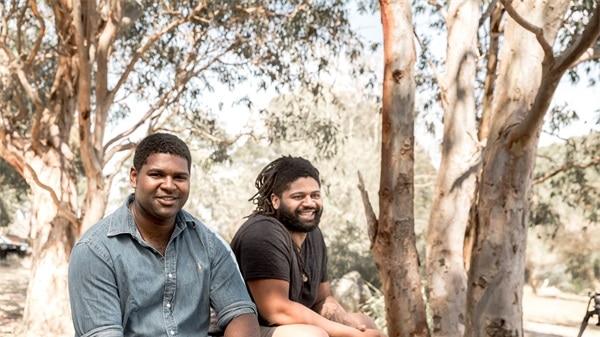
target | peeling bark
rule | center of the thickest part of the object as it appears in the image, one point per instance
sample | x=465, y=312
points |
x=394, y=245
x=496, y=276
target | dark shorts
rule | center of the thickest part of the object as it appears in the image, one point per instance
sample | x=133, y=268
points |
x=267, y=331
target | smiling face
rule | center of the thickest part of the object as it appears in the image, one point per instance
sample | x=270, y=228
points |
x=162, y=187
x=300, y=206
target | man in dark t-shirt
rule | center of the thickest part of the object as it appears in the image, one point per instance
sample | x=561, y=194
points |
x=283, y=258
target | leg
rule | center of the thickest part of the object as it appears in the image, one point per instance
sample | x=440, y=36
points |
x=292, y=330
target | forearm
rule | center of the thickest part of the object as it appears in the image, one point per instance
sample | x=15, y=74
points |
x=332, y=310
x=296, y=313
x=243, y=326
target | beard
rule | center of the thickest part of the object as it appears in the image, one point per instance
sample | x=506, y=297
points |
x=292, y=222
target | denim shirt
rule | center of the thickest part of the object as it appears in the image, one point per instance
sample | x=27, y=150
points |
x=121, y=286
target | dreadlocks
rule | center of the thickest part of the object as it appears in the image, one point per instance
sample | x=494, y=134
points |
x=276, y=177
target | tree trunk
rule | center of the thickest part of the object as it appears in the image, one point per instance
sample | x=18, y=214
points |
x=51, y=173
x=394, y=242
x=460, y=162
x=496, y=277
x=53, y=238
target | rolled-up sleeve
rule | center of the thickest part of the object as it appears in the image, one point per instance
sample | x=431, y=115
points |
x=229, y=296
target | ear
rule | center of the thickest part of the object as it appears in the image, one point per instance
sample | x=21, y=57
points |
x=133, y=174
x=275, y=201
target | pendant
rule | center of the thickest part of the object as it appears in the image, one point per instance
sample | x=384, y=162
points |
x=304, y=277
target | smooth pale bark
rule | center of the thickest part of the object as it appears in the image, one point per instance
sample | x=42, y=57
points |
x=459, y=166
x=496, y=276
x=47, y=310
x=394, y=242
x=46, y=161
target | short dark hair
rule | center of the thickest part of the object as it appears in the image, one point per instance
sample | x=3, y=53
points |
x=277, y=177
x=160, y=143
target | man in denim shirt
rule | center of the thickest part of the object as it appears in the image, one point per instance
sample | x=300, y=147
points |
x=152, y=269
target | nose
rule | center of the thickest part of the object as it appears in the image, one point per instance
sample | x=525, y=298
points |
x=309, y=201
x=167, y=183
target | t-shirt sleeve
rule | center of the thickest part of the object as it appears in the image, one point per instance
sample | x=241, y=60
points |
x=262, y=250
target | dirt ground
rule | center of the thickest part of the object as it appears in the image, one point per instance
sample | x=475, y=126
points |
x=547, y=314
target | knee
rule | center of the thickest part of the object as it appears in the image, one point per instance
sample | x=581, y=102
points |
x=299, y=330
x=312, y=331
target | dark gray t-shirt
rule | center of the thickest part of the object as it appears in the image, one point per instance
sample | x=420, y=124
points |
x=264, y=249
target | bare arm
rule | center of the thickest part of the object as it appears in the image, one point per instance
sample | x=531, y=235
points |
x=330, y=308
x=243, y=326
x=271, y=298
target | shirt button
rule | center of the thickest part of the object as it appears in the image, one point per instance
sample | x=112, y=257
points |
x=168, y=305
x=172, y=332
x=170, y=275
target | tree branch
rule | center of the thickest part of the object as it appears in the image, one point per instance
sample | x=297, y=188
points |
x=488, y=12
x=436, y=73
x=117, y=166
x=163, y=102
x=491, y=68
x=40, y=35
x=19, y=72
x=31, y=92
x=439, y=8
x=138, y=54
x=84, y=37
x=581, y=44
x=548, y=175
x=591, y=53
x=11, y=150
x=372, y=223
x=116, y=149
x=537, y=31
x=552, y=70
x=63, y=211
x=104, y=97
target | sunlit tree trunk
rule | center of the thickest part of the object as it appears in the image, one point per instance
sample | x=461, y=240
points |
x=460, y=162
x=394, y=242
x=528, y=76
x=53, y=238
x=47, y=164
x=495, y=29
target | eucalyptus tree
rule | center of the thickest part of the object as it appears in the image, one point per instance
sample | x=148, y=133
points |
x=503, y=62
x=81, y=81
x=493, y=115
x=392, y=234
x=528, y=75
